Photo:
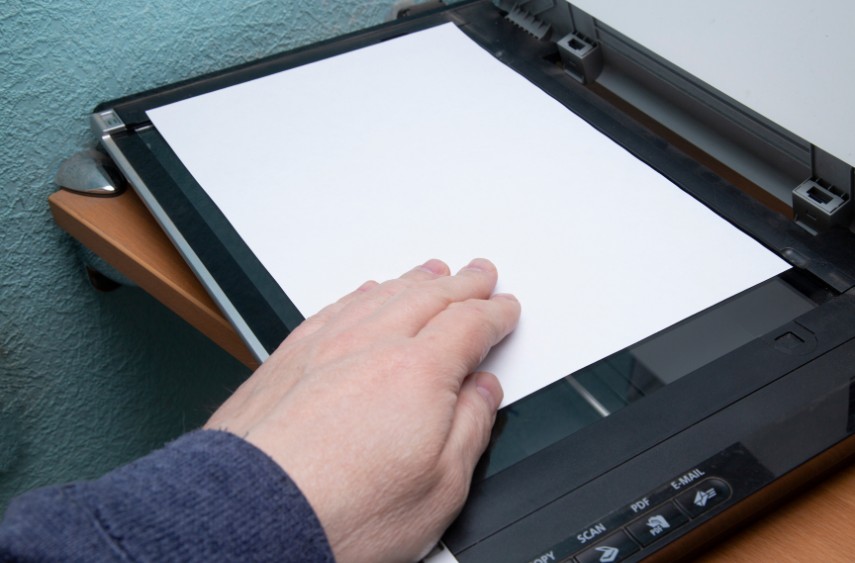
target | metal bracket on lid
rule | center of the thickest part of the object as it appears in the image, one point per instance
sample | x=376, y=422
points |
x=825, y=200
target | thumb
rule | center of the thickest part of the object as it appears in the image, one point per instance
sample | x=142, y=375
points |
x=479, y=399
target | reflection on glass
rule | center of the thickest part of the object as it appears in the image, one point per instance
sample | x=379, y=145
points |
x=573, y=402
x=566, y=406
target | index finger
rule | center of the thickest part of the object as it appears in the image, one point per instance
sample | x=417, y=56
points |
x=410, y=310
x=369, y=297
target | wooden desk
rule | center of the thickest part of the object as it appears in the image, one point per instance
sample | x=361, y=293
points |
x=816, y=525
x=122, y=232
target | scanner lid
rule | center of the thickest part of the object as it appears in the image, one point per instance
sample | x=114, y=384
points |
x=791, y=63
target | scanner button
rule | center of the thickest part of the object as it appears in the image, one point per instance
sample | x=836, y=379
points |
x=659, y=522
x=613, y=548
x=704, y=496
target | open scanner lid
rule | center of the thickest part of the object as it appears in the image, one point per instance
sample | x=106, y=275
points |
x=791, y=63
x=766, y=96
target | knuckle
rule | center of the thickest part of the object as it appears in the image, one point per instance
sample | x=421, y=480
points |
x=391, y=288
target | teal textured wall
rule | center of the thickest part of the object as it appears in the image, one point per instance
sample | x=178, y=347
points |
x=90, y=380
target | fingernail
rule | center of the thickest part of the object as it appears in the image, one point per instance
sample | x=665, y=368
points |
x=508, y=296
x=435, y=266
x=478, y=264
x=370, y=284
x=486, y=392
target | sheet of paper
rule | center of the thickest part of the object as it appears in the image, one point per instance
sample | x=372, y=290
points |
x=364, y=165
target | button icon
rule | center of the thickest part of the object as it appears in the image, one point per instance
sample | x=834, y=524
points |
x=661, y=522
x=706, y=495
x=703, y=496
x=612, y=549
x=608, y=554
x=657, y=524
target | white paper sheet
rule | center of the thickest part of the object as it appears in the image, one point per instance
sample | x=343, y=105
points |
x=364, y=165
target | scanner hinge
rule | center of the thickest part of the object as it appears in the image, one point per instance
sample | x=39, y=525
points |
x=824, y=200
x=541, y=18
x=105, y=122
x=582, y=57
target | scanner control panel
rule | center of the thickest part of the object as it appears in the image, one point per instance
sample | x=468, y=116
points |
x=670, y=508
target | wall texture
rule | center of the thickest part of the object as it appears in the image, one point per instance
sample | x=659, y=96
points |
x=90, y=380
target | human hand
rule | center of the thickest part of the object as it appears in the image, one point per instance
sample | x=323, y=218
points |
x=372, y=408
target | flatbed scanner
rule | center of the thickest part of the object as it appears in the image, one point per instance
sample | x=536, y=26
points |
x=659, y=447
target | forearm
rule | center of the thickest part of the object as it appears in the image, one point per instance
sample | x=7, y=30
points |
x=207, y=496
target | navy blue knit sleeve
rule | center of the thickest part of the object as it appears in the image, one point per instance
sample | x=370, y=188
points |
x=208, y=496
